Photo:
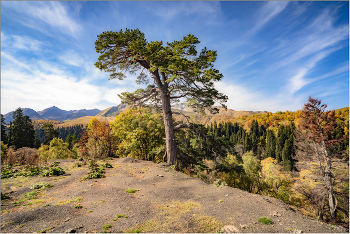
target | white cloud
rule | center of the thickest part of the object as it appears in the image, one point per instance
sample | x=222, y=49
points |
x=54, y=14
x=267, y=13
x=170, y=10
x=71, y=58
x=27, y=84
x=25, y=43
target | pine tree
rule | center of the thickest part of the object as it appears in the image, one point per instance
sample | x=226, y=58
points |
x=22, y=130
x=4, y=137
x=280, y=141
x=50, y=133
x=270, y=144
x=287, y=156
x=175, y=69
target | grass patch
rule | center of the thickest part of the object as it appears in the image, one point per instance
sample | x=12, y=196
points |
x=107, y=226
x=78, y=206
x=220, y=200
x=170, y=218
x=265, y=220
x=63, y=202
x=130, y=190
x=119, y=216
x=78, y=199
x=89, y=211
x=41, y=185
x=31, y=195
x=205, y=224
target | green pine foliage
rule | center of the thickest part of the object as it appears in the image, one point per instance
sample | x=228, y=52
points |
x=22, y=133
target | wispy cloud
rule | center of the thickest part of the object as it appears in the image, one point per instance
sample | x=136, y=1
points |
x=26, y=43
x=53, y=14
x=266, y=14
x=169, y=10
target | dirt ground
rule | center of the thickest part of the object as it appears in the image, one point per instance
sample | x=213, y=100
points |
x=165, y=201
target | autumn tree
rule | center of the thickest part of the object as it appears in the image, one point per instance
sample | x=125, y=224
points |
x=139, y=134
x=97, y=140
x=319, y=125
x=175, y=70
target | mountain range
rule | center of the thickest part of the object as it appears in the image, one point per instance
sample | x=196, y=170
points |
x=83, y=115
x=53, y=113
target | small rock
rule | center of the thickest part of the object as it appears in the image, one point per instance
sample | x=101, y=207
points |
x=67, y=219
x=243, y=226
x=70, y=231
x=230, y=229
x=297, y=231
x=274, y=213
x=160, y=175
x=226, y=195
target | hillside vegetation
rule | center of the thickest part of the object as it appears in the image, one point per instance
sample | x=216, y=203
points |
x=261, y=153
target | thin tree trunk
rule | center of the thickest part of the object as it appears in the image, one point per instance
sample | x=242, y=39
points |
x=328, y=182
x=169, y=129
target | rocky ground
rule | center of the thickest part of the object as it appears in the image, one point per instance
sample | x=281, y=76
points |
x=164, y=201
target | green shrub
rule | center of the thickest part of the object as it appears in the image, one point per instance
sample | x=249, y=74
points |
x=107, y=226
x=78, y=164
x=97, y=172
x=107, y=165
x=265, y=220
x=78, y=206
x=130, y=190
x=54, y=171
x=6, y=174
x=41, y=185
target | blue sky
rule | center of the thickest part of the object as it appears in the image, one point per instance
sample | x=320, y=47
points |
x=273, y=55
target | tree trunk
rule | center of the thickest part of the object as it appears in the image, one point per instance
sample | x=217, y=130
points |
x=169, y=129
x=328, y=180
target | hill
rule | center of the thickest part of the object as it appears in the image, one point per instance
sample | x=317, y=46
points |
x=113, y=111
x=164, y=201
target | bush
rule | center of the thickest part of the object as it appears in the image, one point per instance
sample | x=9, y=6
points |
x=23, y=156
x=54, y=171
x=95, y=173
